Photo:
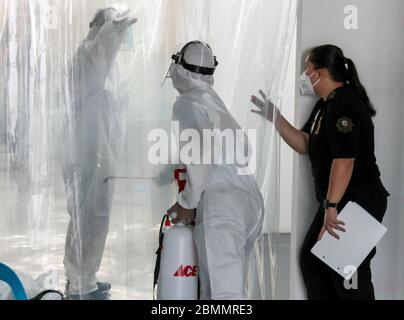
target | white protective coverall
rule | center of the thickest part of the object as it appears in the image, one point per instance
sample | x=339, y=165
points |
x=94, y=137
x=230, y=207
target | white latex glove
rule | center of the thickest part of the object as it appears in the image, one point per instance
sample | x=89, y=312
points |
x=125, y=18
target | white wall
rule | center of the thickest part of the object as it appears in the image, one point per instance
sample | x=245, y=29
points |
x=376, y=47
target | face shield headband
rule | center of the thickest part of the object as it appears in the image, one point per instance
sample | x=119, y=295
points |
x=178, y=58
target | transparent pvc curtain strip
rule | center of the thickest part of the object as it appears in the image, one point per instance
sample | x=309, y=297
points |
x=39, y=38
x=267, y=249
x=35, y=45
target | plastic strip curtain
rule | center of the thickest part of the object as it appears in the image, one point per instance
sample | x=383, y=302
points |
x=39, y=39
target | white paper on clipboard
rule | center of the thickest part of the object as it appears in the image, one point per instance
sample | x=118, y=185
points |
x=345, y=255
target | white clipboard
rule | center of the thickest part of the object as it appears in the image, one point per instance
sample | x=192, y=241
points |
x=363, y=233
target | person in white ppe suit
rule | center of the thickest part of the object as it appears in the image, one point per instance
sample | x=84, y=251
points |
x=94, y=138
x=229, y=206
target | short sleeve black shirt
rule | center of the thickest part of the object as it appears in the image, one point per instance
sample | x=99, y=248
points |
x=341, y=127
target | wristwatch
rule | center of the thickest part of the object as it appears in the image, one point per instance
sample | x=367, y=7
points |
x=327, y=204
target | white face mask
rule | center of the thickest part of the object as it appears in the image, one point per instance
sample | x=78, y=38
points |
x=306, y=87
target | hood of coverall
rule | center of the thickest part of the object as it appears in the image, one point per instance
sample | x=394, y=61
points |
x=184, y=80
x=104, y=15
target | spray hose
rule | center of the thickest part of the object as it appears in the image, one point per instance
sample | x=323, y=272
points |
x=165, y=222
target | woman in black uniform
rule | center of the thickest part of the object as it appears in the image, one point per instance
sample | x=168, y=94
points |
x=339, y=139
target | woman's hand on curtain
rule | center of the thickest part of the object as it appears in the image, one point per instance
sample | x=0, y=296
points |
x=266, y=107
x=296, y=139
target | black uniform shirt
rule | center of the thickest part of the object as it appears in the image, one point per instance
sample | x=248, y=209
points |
x=342, y=127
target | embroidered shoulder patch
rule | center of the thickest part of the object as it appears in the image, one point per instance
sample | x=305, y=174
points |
x=345, y=125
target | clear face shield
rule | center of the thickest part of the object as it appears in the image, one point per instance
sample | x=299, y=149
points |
x=168, y=74
x=177, y=49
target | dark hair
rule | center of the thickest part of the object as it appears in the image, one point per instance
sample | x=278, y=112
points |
x=341, y=70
